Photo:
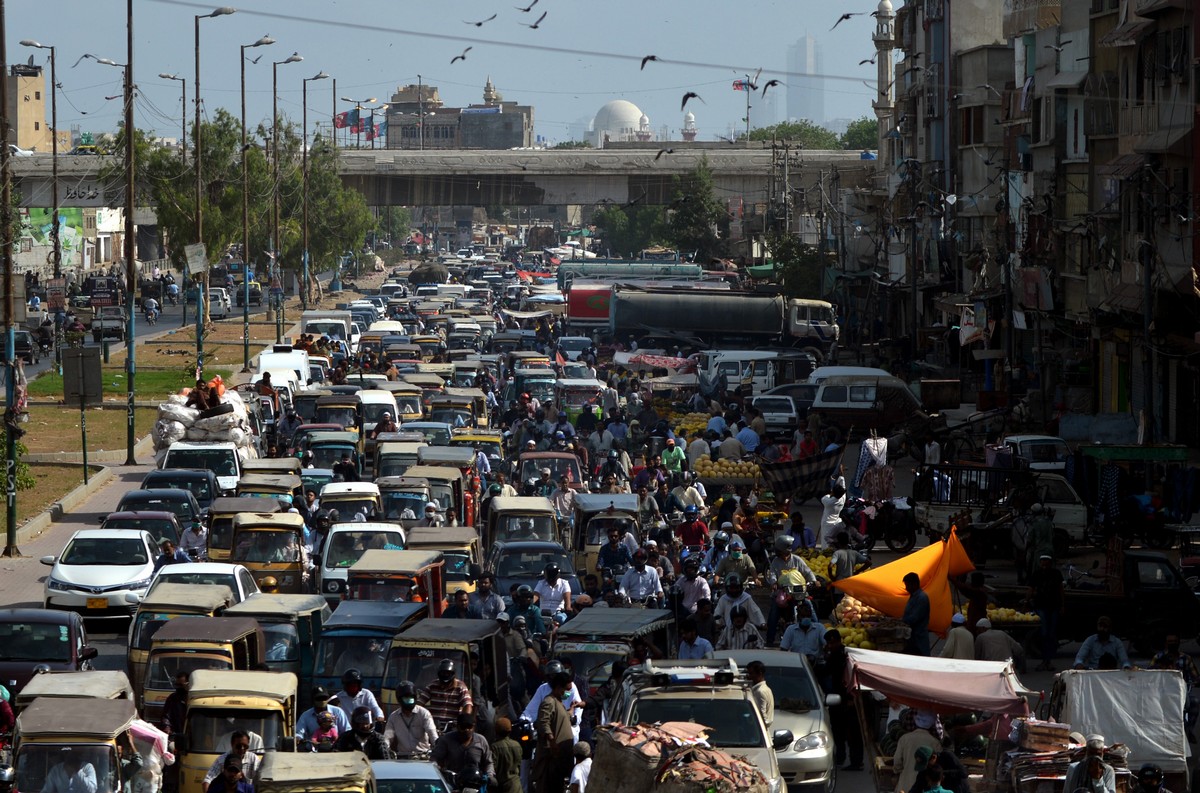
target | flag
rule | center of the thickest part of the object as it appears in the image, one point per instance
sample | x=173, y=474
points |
x=370, y=132
x=356, y=128
x=804, y=478
x=381, y=129
x=740, y=85
x=353, y=119
x=559, y=359
x=340, y=120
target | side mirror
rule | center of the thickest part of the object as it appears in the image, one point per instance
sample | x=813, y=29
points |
x=833, y=700
x=104, y=517
x=782, y=739
x=133, y=598
x=48, y=560
x=88, y=653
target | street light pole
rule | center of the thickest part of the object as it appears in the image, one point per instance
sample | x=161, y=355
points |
x=358, y=105
x=421, y=111
x=262, y=42
x=295, y=57
x=130, y=242
x=304, y=294
x=183, y=131
x=198, y=155
x=10, y=335
x=55, y=222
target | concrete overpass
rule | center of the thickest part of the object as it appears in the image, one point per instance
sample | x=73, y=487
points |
x=390, y=177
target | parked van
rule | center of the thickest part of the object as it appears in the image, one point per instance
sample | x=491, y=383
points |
x=867, y=403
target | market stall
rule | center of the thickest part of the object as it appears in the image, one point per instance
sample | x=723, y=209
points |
x=882, y=683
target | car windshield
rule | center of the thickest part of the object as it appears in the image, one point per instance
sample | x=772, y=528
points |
x=733, y=723
x=408, y=404
x=347, y=547
x=105, y=551
x=455, y=417
x=559, y=467
x=211, y=732
x=793, y=688
x=40, y=764
x=524, y=527
x=349, y=507
x=598, y=528
x=541, y=390
x=458, y=565
x=166, y=666
x=181, y=508
x=200, y=488
x=396, y=502
x=35, y=641
x=282, y=641
x=530, y=564
x=339, y=653
x=220, y=533
x=574, y=345
x=219, y=579
x=144, y=628
x=222, y=462
x=342, y=416
x=328, y=455
x=406, y=785
x=434, y=436
x=395, y=465
x=373, y=412
x=267, y=546
x=418, y=664
x=159, y=528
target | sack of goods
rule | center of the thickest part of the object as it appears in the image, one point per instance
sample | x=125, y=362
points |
x=228, y=421
x=668, y=758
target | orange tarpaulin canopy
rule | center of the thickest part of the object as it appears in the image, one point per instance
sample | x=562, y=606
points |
x=883, y=587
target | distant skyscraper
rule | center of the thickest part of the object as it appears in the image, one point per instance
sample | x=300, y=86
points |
x=805, y=95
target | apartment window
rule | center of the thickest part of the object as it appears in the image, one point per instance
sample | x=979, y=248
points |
x=971, y=125
x=37, y=95
x=37, y=125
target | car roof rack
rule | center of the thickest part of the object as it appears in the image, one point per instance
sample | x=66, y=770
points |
x=686, y=672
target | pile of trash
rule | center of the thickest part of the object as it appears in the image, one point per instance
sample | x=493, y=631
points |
x=674, y=757
x=228, y=422
x=151, y=744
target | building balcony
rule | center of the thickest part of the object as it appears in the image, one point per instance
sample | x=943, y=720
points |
x=1138, y=119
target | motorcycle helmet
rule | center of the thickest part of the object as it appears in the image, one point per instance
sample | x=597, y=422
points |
x=691, y=510
x=524, y=591
x=445, y=671
x=334, y=516
x=269, y=585
x=406, y=693
x=733, y=580
x=551, y=570
x=1150, y=773
x=783, y=543
x=612, y=454
x=721, y=536
x=352, y=676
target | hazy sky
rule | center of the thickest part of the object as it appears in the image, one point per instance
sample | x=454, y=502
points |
x=373, y=46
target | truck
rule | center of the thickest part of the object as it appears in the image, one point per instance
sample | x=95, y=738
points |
x=108, y=322
x=326, y=323
x=603, y=269
x=703, y=318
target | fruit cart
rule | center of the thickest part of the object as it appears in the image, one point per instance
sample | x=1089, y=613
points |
x=716, y=475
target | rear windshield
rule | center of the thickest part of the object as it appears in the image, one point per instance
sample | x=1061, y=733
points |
x=222, y=462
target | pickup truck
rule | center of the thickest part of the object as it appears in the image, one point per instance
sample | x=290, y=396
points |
x=979, y=500
x=108, y=323
x=1153, y=599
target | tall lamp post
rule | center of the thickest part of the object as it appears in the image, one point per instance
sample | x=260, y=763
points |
x=383, y=107
x=358, y=106
x=10, y=333
x=304, y=214
x=262, y=42
x=199, y=154
x=295, y=57
x=183, y=130
x=54, y=229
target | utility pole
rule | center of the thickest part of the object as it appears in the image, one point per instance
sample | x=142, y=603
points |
x=130, y=241
x=10, y=336
x=1146, y=254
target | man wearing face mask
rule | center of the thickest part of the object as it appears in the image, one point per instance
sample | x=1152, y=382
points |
x=738, y=563
x=641, y=582
x=410, y=729
x=692, y=587
x=1171, y=658
x=736, y=595
x=175, y=708
x=805, y=637
x=1102, y=643
x=362, y=737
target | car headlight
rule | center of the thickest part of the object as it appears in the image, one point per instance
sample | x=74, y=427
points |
x=57, y=586
x=332, y=585
x=814, y=740
x=142, y=584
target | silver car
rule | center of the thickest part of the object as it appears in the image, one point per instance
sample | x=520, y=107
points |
x=800, y=708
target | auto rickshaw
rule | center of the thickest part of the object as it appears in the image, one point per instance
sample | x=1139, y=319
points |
x=442, y=370
x=431, y=385
x=530, y=465
x=431, y=346
x=272, y=546
x=458, y=457
x=92, y=684
x=271, y=465
x=220, y=522
x=457, y=411
x=449, y=491
x=187, y=644
x=356, y=636
x=521, y=518
x=475, y=646
x=220, y=702
x=408, y=400
x=166, y=602
x=595, y=514
x=490, y=442
x=466, y=371
x=341, y=409
x=459, y=545
x=404, y=498
x=351, y=498
x=595, y=638
x=538, y=383
x=399, y=577
x=281, y=487
x=85, y=734
x=291, y=626
x=305, y=403
x=393, y=458
x=328, y=447
x=576, y=396
x=315, y=772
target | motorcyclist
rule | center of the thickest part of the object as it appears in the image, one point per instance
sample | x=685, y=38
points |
x=736, y=595
x=45, y=333
x=783, y=571
x=693, y=532
x=642, y=584
x=615, y=555
x=718, y=551
x=150, y=307
x=612, y=467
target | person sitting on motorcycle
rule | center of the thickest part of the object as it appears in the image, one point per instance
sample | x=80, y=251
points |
x=173, y=293
x=693, y=532
x=685, y=493
x=737, y=563
x=737, y=596
x=693, y=587
x=150, y=307
x=806, y=636
x=612, y=467
x=641, y=583
x=719, y=550
x=615, y=555
x=524, y=608
x=739, y=634
x=647, y=510
x=194, y=541
x=784, y=560
x=660, y=561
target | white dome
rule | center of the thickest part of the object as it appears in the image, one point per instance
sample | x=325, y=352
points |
x=617, y=116
x=690, y=118
x=885, y=7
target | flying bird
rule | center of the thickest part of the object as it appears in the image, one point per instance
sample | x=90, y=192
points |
x=1059, y=47
x=870, y=60
x=528, y=8
x=770, y=84
x=647, y=59
x=534, y=26
x=846, y=16
x=754, y=82
x=687, y=96
x=255, y=60
x=462, y=57
x=661, y=152
x=480, y=23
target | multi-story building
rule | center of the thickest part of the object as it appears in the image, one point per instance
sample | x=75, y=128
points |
x=418, y=119
x=28, y=104
x=805, y=94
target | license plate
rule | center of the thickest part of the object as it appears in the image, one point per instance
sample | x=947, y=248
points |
x=97, y=603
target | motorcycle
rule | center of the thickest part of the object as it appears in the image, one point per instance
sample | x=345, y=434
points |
x=872, y=522
x=151, y=316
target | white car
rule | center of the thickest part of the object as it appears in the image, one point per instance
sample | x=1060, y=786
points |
x=98, y=569
x=235, y=576
x=219, y=304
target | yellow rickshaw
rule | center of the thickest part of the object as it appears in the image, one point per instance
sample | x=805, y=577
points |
x=166, y=602
x=272, y=546
x=57, y=741
x=321, y=772
x=280, y=487
x=220, y=521
x=399, y=577
x=92, y=684
x=460, y=547
x=188, y=644
x=595, y=515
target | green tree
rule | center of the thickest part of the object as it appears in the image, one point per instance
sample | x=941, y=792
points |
x=798, y=265
x=626, y=231
x=696, y=216
x=804, y=132
x=861, y=134
x=572, y=144
x=394, y=224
